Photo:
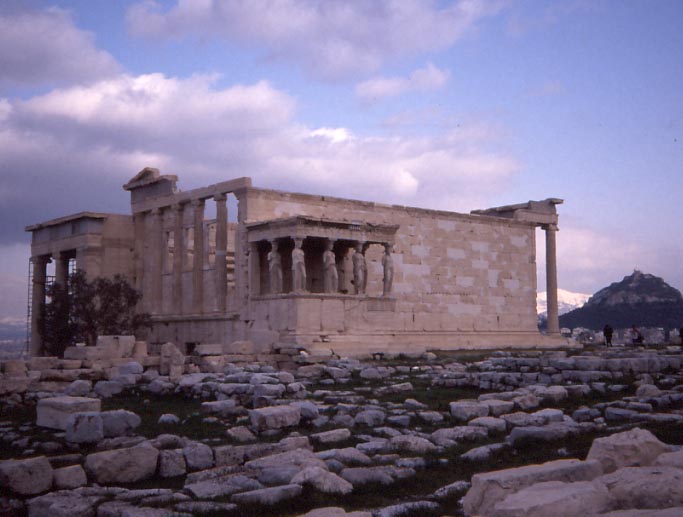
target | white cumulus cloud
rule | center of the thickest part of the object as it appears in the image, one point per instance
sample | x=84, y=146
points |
x=331, y=39
x=82, y=143
x=423, y=79
x=45, y=47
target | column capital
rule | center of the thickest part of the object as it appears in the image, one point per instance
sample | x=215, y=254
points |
x=178, y=207
x=221, y=196
x=197, y=203
x=551, y=227
x=156, y=211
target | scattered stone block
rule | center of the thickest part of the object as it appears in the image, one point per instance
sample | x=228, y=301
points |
x=53, y=412
x=64, y=504
x=198, y=456
x=84, y=428
x=268, y=496
x=119, y=422
x=333, y=436
x=555, y=498
x=26, y=477
x=172, y=463
x=69, y=477
x=492, y=487
x=275, y=417
x=644, y=487
x=636, y=447
x=465, y=410
x=122, y=465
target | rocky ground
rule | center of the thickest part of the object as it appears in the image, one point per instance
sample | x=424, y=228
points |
x=508, y=434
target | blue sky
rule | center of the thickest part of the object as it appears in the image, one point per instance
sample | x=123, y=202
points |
x=453, y=105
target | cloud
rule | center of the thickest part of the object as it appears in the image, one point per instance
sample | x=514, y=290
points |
x=423, y=79
x=44, y=47
x=80, y=144
x=332, y=40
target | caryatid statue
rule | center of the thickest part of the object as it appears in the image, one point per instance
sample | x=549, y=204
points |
x=275, y=268
x=298, y=267
x=388, y=265
x=330, y=275
x=360, y=269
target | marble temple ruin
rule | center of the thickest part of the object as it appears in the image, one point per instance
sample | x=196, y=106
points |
x=311, y=271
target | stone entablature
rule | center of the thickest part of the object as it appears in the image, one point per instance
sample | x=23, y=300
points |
x=306, y=269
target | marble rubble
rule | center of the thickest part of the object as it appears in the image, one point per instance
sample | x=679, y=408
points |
x=337, y=427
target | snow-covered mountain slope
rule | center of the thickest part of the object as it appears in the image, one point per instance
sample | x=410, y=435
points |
x=566, y=301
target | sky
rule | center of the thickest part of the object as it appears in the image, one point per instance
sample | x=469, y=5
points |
x=454, y=105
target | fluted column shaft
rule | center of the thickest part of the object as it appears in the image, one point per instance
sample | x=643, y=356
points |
x=220, y=264
x=178, y=252
x=551, y=278
x=198, y=265
x=37, y=302
x=157, y=260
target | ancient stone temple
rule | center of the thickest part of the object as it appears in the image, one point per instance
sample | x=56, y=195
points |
x=313, y=271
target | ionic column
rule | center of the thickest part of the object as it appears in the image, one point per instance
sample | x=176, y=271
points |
x=178, y=253
x=37, y=302
x=551, y=278
x=62, y=269
x=157, y=243
x=220, y=265
x=198, y=262
x=139, y=231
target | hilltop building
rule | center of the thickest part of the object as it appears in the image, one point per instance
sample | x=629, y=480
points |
x=314, y=271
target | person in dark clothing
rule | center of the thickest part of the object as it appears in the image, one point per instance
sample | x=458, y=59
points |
x=636, y=335
x=608, y=331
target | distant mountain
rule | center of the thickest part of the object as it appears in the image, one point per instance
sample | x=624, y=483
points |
x=640, y=298
x=12, y=328
x=566, y=301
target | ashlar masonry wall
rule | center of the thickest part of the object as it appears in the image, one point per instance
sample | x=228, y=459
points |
x=460, y=280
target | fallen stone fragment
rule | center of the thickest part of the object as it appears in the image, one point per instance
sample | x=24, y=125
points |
x=198, y=456
x=205, y=507
x=53, y=412
x=334, y=511
x=644, y=487
x=349, y=456
x=69, y=477
x=63, y=504
x=172, y=463
x=26, y=477
x=84, y=428
x=555, y=498
x=122, y=465
x=323, y=481
x=491, y=487
x=481, y=454
x=119, y=422
x=465, y=410
x=411, y=444
x=222, y=486
x=456, y=488
x=370, y=418
x=636, y=447
x=268, y=496
x=333, y=436
x=275, y=417
x=417, y=507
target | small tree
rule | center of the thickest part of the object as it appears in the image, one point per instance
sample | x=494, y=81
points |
x=86, y=309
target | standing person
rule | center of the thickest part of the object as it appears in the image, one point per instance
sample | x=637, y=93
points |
x=636, y=335
x=608, y=331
